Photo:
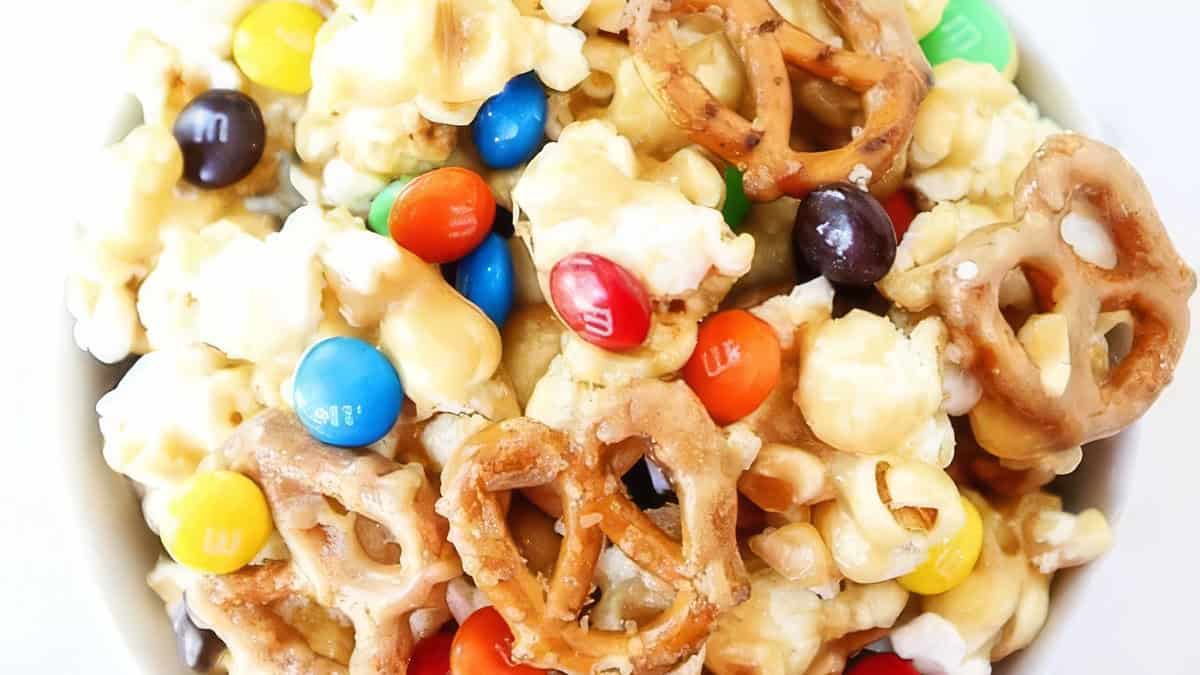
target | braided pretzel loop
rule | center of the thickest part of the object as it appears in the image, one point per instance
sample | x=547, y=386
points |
x=545, y=615
x=1018, y=418
x=891, y=86
x=365, y=541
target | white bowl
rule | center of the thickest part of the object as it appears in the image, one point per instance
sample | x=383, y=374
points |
x=120, y=550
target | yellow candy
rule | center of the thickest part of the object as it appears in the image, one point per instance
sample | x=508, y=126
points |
x=949, y=564
x=273, y=45
x=221, y=521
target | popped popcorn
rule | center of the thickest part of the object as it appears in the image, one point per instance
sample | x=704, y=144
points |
x=931, y=236
x=171, y=410
x=974, y=135
x=1003, y=604
x=935, y=647
x=879, y=527
x=784, y=629
x=184, y=49
x=132, y=207
x=864, y=386
x=391, y=79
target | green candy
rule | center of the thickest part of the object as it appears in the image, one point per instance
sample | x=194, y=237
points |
x=381, y=206
x=972, y=30
x=736, y=204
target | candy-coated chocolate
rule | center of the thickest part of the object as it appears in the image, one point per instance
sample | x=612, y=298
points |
x=844, y=233
x=485, y=277
x=737, y=205
x=222, y=135
x=381, y=206
x=735, y=365
x=972, y=30
x=901, y=210
x=219, y=522
x=346, y=392
x=443, y=215
x=882, y=663
x=601, y=301
x=510, y=127
x=483, y=646
x=273, y=45
x=431, y=656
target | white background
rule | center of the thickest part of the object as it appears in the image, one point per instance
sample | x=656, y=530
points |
x=1134, y=64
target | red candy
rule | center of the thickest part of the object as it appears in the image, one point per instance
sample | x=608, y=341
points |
x=884, y=663
x=901, y=210
x=601, y=301
x=443, y=215
x=431, y=656
x=483, y=646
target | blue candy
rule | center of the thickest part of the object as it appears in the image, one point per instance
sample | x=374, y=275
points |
x=511, y=125
x=346, y=392
x=485, y=277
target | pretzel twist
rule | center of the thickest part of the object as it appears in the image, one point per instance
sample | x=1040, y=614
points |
x=365, y=541
x=545, y=616
x=891, y=86
x=1017, y=418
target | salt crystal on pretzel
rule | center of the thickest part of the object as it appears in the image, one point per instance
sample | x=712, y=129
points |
x=1017, y=417
x=380, y=557
x=891, y=87
x=704, y=569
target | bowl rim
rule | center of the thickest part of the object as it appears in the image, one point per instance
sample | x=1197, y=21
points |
x=97, y=493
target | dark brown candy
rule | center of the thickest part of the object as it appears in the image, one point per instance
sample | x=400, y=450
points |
x=222, y=135
x=198, y=647
x=843, y=233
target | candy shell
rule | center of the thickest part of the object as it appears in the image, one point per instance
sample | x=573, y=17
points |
x=346, y=392
x=485, y=277
x=510, y=127
x=972, y=30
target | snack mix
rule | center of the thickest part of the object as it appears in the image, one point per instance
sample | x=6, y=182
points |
x=611, y=336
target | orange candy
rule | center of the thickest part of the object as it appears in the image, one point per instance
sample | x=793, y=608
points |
x=443, y=215
x=735, y=365
x=483, y=646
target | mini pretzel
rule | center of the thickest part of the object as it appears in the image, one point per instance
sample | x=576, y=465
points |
x=365, y=540
x=545, y=616
x=1017, y=418
x=891, y=87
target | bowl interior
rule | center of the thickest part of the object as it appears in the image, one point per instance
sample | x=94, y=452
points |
x=121, y=550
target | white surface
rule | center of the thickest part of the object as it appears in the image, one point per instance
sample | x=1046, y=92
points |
x=1133, y=63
